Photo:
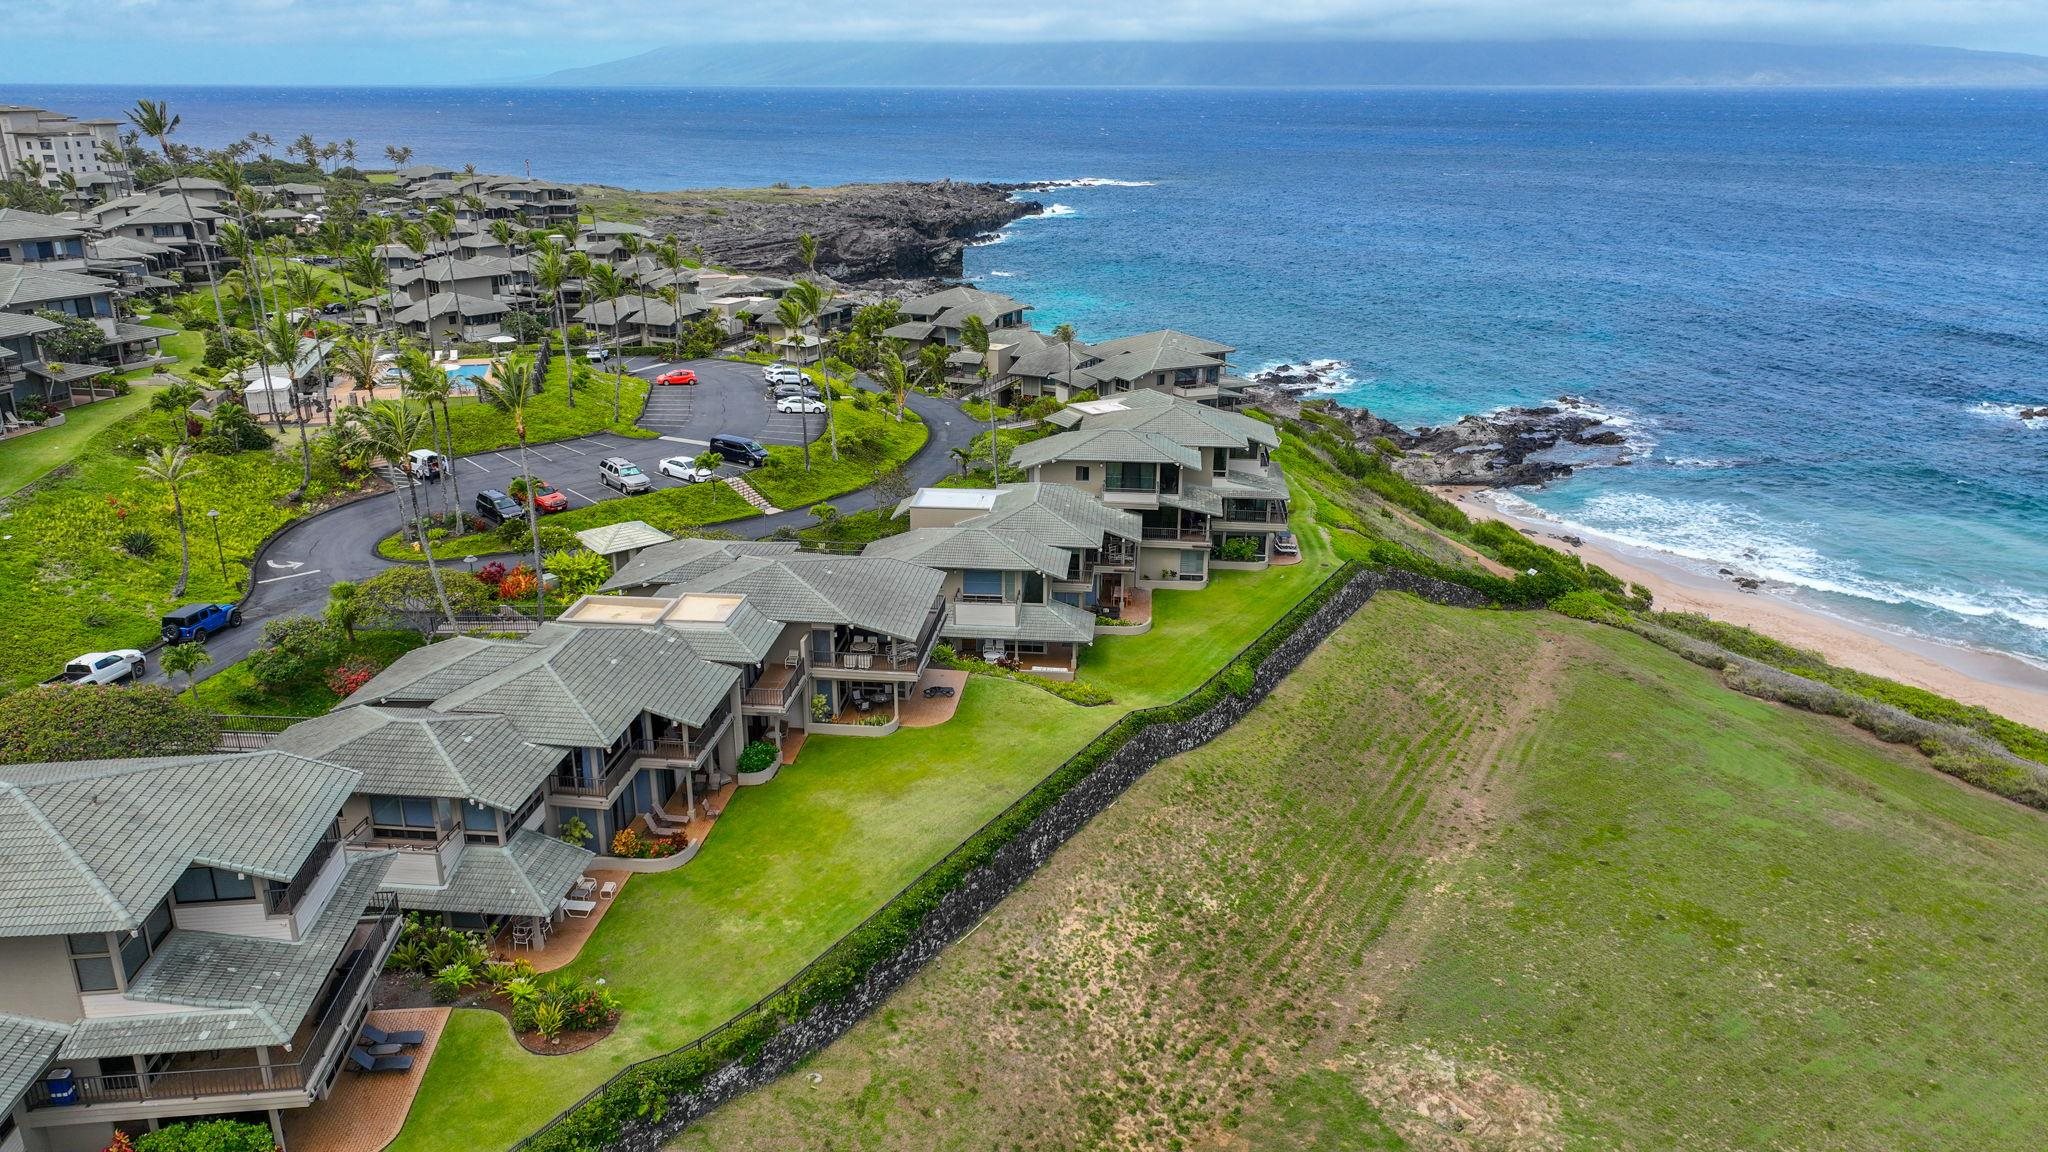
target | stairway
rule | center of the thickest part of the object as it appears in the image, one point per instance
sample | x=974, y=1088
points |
x=748, y=494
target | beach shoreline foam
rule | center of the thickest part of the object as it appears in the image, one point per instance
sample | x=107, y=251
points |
x=2003, y=683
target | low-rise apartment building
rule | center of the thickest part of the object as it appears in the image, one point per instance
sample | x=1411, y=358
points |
x=88, y=150
x=181, y=937
x=1201, y=479
x=1028, y=567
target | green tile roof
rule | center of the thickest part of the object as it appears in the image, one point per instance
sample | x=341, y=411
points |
x=972, y=545
x=527, y=877
x=26, y=1046
x=423, y=752
x=92, y=846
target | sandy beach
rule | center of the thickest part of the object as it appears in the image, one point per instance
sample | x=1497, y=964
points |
x=2001, y=683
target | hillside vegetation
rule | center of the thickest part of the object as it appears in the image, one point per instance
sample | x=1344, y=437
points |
x=1483, y=880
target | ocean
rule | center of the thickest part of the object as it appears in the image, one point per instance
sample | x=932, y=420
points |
x=1819, y=312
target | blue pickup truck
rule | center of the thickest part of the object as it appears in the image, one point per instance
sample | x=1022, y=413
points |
x=198, y=621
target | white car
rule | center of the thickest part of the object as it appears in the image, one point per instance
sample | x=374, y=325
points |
x=105, y=667
x=782, y=374
x=685, y=468
x=799, y=404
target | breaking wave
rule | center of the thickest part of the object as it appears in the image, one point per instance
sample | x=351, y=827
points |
x=1094, y=182
x=1992, y=410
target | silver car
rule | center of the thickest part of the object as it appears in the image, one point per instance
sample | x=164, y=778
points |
x=624, y=475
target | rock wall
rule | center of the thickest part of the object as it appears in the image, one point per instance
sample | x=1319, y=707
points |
x=1015, y=862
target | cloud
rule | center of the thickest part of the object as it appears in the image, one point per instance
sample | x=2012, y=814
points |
x=393, y=40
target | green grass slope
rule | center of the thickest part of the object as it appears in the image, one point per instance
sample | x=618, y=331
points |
x=1483, y=880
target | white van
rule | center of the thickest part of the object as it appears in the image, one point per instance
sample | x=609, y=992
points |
x=426, y=464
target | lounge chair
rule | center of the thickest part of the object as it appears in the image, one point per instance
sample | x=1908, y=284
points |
x=660, y=824
x=609, y=889
x=362, y=1061
x=374, y=1035
x=581, y=909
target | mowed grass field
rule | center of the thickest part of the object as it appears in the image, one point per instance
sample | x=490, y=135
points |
x=1479, y=880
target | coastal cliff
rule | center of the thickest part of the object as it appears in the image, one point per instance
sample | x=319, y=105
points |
x=865, y=232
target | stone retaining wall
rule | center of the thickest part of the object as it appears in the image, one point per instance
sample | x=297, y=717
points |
x=1014, y=863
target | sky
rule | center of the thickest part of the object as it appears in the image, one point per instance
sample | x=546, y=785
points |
x=476, y=41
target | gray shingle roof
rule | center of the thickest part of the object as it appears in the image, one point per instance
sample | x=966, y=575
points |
x=21, y=224
x=26, y=1046
x=874, y=593
x=585, y=684
x=1053, y=623
x=423, y=752
x=23, y=286
x=972, y=545
x=622, y=537
x=1183, y=421
x=242, y=991
x=678, y=561
x=13, y=324
x=424, y=675
x=1121, y=445
x=527, y=877
x=1061, y=515
x=92, y=846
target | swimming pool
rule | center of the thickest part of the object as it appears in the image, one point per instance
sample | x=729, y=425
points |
x=468, y=372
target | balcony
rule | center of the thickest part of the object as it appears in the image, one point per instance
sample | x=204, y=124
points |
x=284, y=901
x=772, y=694
x=889, y=656
x=318, y=1043
x=1183, y=534
x=687, y=751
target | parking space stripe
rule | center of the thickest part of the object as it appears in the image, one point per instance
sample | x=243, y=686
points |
x=578, y=451
x=507, y=459
x=579, y=495
x=474, y=464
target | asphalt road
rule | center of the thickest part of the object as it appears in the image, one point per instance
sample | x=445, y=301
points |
x=293, y=573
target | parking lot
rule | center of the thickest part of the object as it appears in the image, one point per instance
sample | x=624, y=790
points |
x=727, y=397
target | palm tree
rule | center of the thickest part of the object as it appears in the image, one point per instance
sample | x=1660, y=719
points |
x=708, y=461
x=931, y=366
x=185, y=660
x=789, y=312
x=399, y=157
x=441, y=223
x=415, y=237
x=153, y=119
x=813, y=299
x=1064, y=333
x=282, y=337
x=356, y=357
x=974, y=335
x=807, y=251
x=361, y=266
x=391, y=429
x=607, y=285
x=171, y=467
x=895, y=377
x=962, y=456
x=429, y=384
x=551, y=272
x=175, y=400
x=503, y=232
x=510, y=386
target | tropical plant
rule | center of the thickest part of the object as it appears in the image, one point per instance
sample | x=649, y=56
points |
x=509, y=385
x=575, y=831
x=208, y=1136
x=895, y=378
x=282, y=338
x=154, y=119
x=391, y=429
x=1064, y=333
x=185, y=660
x=176, y=400
x=807, y=250
x=758, y=756
x=171, y=467
x=453, y=981
x=548, y=1021
x=579, y=572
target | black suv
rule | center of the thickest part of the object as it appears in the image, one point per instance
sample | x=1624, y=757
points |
x=494, y=507
x=739, y=450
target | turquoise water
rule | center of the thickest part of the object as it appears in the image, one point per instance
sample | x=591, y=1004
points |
x=469, y=372
x=1821, y=312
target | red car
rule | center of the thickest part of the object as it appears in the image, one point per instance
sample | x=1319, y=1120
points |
x=679, y=376
x=545, y=497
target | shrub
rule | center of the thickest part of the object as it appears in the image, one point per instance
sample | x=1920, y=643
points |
x=492, y=573
x=350, y=675
x=579, y=571
x=1240, y=549
x=233, y=430
x=1240, y=678
x=208, y=1136
x=575, y=831
x=824, y=513
x=758, y=756
x=548, y=1020
x=403, y=596
x=294, y=650
x=1586, y=604
x=453, y=980
x=138, y=543
x=96, y=722
x=626, y=843
x=518, y=584
x=821, y=707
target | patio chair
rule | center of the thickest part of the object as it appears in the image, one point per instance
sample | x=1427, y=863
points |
x=609, y=889
x=792, y=659
x=372, y=1034
x=362, y=1061
x=522, y=936
x=580, y=909
x=660, y=825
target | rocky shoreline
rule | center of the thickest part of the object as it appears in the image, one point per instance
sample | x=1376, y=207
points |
x=866, y=233
x=1507, y=448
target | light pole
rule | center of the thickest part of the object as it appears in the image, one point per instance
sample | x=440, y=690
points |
x=219, y=556
x=470, y=561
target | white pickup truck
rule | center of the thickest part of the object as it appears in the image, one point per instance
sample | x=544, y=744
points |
x=105, y=667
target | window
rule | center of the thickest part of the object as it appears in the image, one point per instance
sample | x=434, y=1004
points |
x=212, y=886
x=480, y=823
x=137, y=949
x=981, y=583
x=1219, y=461
x=403, y=817
x=1080, y=470
x=91, y=964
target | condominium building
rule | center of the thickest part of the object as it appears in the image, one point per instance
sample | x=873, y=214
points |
x=58, y=144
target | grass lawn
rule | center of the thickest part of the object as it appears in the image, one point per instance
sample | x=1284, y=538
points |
x=73, y=586
x=1538, y=871
x=27, y=457
x=857, y=529
x=794, y=865
x=233, y=692
x=480, y=427
x=870, y=443
x=676, y=511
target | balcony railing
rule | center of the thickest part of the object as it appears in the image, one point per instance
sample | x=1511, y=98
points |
x=892, y=655
x=777, y=687
x=1184, y=534
x=282, y=901
x=362, y=958
x=1240, y=514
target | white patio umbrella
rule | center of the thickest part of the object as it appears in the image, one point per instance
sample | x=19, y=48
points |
x=501, y=338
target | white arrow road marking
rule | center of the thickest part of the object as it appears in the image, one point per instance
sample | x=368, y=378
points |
x=293, y=576
x=285, y=566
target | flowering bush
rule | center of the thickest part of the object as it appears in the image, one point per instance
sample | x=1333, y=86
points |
x=518, y=584
x=492, y=573
x=349, y=676
x=626, y=843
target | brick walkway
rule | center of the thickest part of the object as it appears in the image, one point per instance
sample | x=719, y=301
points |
x=366, y=1109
